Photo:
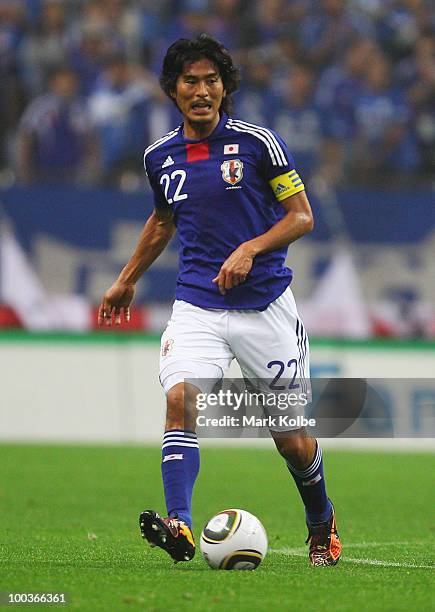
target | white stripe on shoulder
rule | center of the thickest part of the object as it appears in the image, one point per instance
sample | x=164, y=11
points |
x=271, y=138
x=160, y=141
x=259, y=136
x=269, y=134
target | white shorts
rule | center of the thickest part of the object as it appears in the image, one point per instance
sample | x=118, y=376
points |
x=201, y=343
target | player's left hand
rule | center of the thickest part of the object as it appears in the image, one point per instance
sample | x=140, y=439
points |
x=235, y=269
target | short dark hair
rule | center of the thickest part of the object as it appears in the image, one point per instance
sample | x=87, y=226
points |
x=187, y=51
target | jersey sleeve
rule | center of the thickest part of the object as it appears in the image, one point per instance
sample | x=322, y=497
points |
x=159, y=197
x=279, y=167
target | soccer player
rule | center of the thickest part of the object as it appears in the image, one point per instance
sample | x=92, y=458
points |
x=232, y=192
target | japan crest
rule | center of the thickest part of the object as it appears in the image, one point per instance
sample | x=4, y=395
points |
x=232, y=171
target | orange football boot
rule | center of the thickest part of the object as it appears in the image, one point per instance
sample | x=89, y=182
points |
x=171, y=534
x=325, y=545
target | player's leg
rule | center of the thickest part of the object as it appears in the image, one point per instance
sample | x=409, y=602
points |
x=303, y=456
x=192, y=348
x=180, y=467
x=265, y=343
x=180, y=450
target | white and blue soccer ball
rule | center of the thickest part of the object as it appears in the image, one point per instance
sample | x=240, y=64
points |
x=234, y=540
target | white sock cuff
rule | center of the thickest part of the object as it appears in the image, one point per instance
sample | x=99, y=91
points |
x=312, y=468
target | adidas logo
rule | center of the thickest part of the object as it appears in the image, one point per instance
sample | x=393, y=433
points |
x=280, y=187
x=168, y=162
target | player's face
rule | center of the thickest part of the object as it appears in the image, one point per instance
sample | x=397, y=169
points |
x=199, y=92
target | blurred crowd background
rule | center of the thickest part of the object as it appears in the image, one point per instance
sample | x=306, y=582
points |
x=349, y=84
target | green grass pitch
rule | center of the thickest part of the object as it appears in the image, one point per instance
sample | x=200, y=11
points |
x=69, y=522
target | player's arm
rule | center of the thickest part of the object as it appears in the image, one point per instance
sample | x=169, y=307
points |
x=156, y=234
x=297, y=222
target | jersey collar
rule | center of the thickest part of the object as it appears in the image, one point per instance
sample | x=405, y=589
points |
x=218, y=129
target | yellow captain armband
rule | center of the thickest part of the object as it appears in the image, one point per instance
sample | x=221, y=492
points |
x=286, y=185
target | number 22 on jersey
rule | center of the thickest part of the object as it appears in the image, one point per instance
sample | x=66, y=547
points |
x=166, y=180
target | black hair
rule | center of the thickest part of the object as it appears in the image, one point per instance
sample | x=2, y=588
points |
x=187, y=51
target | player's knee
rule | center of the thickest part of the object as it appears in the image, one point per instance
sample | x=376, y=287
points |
x=296, y=449
x=179, y=408
x=175, y=406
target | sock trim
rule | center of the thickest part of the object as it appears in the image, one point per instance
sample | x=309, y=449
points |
x=181, y=439
x=180, y=432
x=177, y=437
x=311, y=469
x=169, y=444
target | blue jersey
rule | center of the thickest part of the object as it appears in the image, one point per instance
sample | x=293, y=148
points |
x=224, y=190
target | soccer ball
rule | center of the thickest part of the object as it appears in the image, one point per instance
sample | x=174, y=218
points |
x=234, y=539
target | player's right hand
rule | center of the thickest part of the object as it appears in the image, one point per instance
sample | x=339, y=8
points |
x=116, y=301
x=235, y=268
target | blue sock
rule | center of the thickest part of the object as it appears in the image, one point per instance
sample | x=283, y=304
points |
x=180, y=467
x=311, y=485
